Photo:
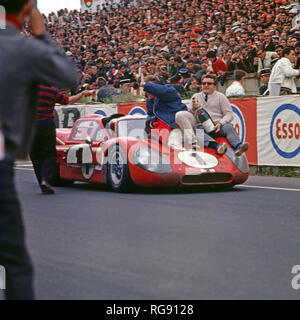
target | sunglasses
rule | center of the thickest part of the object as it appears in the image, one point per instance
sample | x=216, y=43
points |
x=207, y=83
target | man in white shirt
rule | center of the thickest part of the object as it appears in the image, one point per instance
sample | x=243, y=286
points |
x=236, y=88
x=283, y=74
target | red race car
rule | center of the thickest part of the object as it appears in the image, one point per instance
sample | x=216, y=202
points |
x=116, y=150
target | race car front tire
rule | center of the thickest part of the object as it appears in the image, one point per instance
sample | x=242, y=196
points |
x=118, y=170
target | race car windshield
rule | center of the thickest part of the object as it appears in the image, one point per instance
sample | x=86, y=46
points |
x=134, y=128
x=86, y=129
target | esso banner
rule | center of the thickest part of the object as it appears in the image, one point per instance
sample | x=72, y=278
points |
x=134, y=108
x=278, y=133
x=245, y=122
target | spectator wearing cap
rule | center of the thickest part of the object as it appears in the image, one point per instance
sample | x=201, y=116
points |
x=211, y=44
x=184, y=79
x=264, y=80
x=157, y=48
x=125, y=85
x=282, y=74
x=236, y=88
x=194, y=47
x=196, y=34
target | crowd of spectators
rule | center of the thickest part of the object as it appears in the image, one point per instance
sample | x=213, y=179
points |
x=176, y=40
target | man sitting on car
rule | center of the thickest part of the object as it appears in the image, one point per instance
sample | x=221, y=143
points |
x=163, y=102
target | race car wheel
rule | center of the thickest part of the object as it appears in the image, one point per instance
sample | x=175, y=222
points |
x=118, y=170
x=56, y=181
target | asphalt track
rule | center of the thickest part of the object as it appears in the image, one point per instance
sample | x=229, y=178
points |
x=88, y=242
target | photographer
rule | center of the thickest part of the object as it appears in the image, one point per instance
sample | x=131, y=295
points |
x=24, y=63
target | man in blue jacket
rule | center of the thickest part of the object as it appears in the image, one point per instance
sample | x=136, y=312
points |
x=163, y=102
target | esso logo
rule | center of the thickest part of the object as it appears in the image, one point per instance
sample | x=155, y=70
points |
x=285, y=130
x=137, y=110
x=101, y=112
x=238, y=122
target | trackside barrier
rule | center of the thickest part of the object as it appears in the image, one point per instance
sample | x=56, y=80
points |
x=270, y=124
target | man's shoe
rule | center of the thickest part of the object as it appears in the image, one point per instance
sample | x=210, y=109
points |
x=222, y=148
x=46, y=188
x=244, y=147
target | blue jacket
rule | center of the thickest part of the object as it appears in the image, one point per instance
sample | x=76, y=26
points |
x=165, y=105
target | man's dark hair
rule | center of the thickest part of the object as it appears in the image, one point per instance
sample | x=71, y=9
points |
x=210, y=76
x=178, y=59
x=239, y=74
x=13, y=6
x=286, y=50
x=211, y=54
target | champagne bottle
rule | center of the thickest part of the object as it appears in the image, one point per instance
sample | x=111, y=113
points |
x=203, y=116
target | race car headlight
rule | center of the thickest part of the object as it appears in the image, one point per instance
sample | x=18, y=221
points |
x=151, y=160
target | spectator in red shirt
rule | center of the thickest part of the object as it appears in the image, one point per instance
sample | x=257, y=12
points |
x=218, y=65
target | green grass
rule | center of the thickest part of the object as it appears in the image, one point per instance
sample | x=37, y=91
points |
x=293, y=172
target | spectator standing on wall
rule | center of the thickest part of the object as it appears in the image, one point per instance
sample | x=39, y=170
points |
x=283, y=74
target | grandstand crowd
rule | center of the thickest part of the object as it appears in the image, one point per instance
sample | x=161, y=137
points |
x=179, y=41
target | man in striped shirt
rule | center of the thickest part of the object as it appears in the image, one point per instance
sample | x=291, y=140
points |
x=43, y=151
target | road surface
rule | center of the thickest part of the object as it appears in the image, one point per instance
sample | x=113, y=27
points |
x=88, y=242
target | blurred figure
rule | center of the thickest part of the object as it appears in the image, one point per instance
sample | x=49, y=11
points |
x=24, y=63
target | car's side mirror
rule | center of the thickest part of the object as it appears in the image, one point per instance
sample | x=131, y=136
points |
x=88, y=140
